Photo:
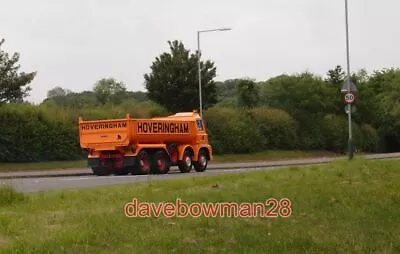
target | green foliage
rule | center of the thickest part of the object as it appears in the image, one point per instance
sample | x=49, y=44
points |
x=14, y=86
x=248, y=93
x=335, y=133
x=336, y=76
x=278, y=130
x=231, y=131
x=371, y=139
x=173, y=82
x=229, y=102
x=109, y=90
x=27, y=135
x=73, y=100
x=227, y=88
x=58, y=92
x=302, y=95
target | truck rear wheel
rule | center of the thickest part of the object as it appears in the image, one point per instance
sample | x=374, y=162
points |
x=161, y=164
x=186, y=164
x=142, y=166
x=201, y=164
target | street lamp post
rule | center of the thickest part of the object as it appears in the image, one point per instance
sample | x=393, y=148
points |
x=198, y=57
x=350, y=141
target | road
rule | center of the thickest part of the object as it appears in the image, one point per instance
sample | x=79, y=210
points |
x=34, y=182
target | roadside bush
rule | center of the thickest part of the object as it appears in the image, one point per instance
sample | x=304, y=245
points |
x=26, y=135
x=335, y=131
x=278, y=130
x=231, y=131
x=371, y=138
x=311, y=134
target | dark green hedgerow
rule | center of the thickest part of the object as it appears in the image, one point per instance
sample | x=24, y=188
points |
x=50, y=133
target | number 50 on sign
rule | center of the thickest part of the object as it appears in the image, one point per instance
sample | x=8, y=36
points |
x=349, y=98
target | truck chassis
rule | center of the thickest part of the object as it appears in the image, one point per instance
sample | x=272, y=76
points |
x=149, y=161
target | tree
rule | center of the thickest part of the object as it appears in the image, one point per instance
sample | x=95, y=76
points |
x=109, y=90
x=301, y=95
x=13, y=85
x=57, y=92
x=173, y=82
x=248, y=93
x=336, y=76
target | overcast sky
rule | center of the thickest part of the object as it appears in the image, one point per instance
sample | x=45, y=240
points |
x=74, y=43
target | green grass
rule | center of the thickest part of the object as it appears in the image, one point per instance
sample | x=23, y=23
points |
x=267, y=155
x=343, y=207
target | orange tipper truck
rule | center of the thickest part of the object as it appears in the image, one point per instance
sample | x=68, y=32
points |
x=143, y=146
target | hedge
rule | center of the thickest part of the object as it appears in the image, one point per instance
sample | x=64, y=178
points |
x=278, y=130
x=26, y=135
x=231, y=131
x=44, y=133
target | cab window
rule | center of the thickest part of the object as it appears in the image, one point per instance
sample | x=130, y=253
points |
x=199, y=125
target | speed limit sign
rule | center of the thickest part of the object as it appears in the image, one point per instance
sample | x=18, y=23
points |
x=349, y=98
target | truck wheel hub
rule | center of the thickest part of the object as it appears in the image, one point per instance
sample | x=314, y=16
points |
x=188, y=161
x=203, y=160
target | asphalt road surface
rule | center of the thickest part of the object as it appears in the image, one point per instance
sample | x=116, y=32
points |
x=36, y=183
x=57, y=183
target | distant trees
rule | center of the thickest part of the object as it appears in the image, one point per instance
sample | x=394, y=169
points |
x=173, y=81
x=57, y=92
x=109, y=90
x=248, y=93
x=14, y=85
x=106, y=91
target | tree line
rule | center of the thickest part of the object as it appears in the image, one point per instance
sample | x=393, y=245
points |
x=301, y=111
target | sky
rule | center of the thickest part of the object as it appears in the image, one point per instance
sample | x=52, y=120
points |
x=74, y=43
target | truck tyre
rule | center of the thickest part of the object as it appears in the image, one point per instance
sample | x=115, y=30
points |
x=100, y=171
x=186, y=164
x=160, y=162
x=143, y=164
x=201, y=164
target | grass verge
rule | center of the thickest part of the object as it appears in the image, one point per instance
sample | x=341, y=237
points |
x=266, y=155
x=343, y=207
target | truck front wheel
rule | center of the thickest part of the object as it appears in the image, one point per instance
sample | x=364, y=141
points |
x=201, y=164
x=186, y=164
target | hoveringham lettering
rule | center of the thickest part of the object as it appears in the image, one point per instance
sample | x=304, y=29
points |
x=100, y=126
x=154, y=127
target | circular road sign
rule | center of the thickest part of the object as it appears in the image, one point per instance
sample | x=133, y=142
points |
x=349, y=97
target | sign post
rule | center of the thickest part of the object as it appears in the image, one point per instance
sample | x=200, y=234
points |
x=350, y=143
x=349, y=91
